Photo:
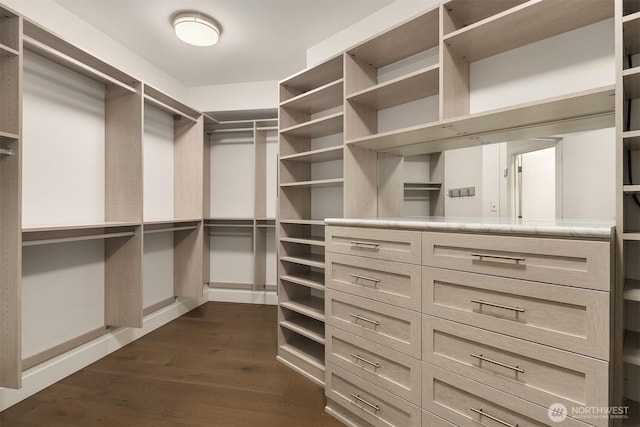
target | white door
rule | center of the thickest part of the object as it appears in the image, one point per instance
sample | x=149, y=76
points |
x=536, y=184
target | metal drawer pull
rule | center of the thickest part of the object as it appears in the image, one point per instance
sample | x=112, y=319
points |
x=495, y=362
x=491, y=417
x=358, y=357
x=357, y=276
x=371, y=405
x=361, y=243
x=506, y=307
x=517, y=259
x=364, y=319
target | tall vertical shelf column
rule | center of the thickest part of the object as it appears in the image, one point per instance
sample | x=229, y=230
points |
x=186, y=225
x=628, y=209
x=311, y=177
x=10, y=203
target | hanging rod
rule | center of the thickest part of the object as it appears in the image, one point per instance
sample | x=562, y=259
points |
x=168, y=108
x=74, y=64
x=77, y=238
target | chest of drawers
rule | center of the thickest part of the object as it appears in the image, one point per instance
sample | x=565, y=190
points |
x=430, y=328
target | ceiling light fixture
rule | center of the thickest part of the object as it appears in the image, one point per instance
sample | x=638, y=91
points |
x=196, y=29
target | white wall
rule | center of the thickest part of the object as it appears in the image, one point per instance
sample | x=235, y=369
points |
x=463, y=168
x=589, y=175
x=60, y=21
x=235, y=96
x=157, y=268
x=158, y=149
x=393, y=14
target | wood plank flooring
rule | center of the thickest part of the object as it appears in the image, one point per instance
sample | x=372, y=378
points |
x=214, y=366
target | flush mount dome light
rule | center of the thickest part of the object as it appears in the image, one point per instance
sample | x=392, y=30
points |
x=196, y=29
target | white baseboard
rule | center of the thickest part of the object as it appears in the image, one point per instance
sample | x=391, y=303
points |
x=243, y=296
x=52, y=371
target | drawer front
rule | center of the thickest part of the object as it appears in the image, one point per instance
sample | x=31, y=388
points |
x=368, y=401
x=467, y=403
x=382, y=323
x=391, y=282
x=384, y=367
x=391, y=245
x=560, y=316
x=537, y=373
x=580, y=263
x=430, y=420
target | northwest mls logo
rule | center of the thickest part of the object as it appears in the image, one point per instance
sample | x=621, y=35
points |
x=557, y=412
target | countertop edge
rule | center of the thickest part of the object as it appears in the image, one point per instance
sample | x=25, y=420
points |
x=596, y=231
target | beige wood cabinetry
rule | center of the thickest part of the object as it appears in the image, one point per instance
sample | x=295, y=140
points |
x=115, y=227
x=627, y=32
x=495, y=349
x=240, y=213
x=374, y=325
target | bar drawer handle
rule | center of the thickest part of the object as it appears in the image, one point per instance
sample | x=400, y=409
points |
x=358, y=357
x=370, y=279
x=371, y=405
x=495, y=362
x=491, y=417
x=517, y=259
x=491, y=304
x=364, y=319
x=361, y=243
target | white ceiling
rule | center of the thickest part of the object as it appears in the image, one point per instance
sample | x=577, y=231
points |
x=261, y=39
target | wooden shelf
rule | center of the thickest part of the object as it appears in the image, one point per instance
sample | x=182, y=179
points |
x=229, y=222
x=463, y=13
x=312, y=242
x=306, y=327
x=322, y=126
x=581, y=111
x=236, y=130
x=419, y=84
x=631, y=33
x=631, y=236
x=311, y=280
x=171, y=225
x=631, y=83
x=318, y=222
x=631, y=351
x=8, y=137
x=315, y=156
x=307, y=353
x=315, y=183
x=422, y=186
x=319, y=99
x=319, y=75
x=631, y=140
x=32, y=236
x=309, y=306
x=629, y=189
x=524, y=24
x=311, y=260
x=404, y=40
x=8, y=51
x=631, y=290
x=630, y=7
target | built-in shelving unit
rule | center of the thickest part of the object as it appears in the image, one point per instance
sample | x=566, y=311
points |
x=10, y=176
x=240, y=213
x=627, y=18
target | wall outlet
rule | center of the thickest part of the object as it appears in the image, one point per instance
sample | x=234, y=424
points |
x=493, y=206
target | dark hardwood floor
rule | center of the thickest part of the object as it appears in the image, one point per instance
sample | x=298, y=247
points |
x=214, y=366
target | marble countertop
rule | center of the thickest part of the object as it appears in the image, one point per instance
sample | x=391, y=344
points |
x=561, y=228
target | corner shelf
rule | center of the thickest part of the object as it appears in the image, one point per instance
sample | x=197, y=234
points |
x=631, y=83
x=311, y=280
x=463, y=13
x=311, y=242
x=520, y=26
x=575, y=112
x=319, y=99
x=631, y=290
x=310, y=260
x=422, y=186
x=314, y=183
x=8, y=51
x=631, y=25
x=306, y=327
x=631, y=140
x=309, y=306
x=316, y=222
x=323, y=126
x=413, y=86
x=306, y=80
x=319, y=155
x=631, y=351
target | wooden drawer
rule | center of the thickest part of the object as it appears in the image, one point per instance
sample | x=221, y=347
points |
x=430, y=420
x=368, y=401
x=391, y=245
x=382, y=323
x=459, y=401
x=581, y=263
x=387, y=368
x=537, y=373
x=569, y=318
x=391, y=282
